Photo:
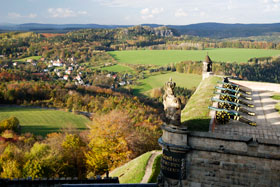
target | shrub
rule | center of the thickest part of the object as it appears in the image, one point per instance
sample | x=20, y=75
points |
x=11, y=123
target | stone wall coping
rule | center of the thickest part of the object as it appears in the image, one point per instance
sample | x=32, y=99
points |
x=238, y=138
x=184, y=148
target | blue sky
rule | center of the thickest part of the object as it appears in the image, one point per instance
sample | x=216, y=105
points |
x=133, y=12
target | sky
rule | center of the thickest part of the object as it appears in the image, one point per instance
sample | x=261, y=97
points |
x=134, y=12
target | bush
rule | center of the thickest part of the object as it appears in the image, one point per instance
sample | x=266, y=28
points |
x=11, y=123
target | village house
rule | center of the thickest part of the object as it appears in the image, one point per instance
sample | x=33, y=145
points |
x=58, y=63
x=30, y=60
x=122, y=83
x=65, y=77
x=59, y=74
x=68, y=72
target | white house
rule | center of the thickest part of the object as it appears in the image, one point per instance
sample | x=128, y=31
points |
x=57, y=63
x=65, y=77
x=68, y=72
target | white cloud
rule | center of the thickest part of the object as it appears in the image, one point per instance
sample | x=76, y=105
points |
x=271, y=5
x=202, y=14
x=144, y=11
x=124, y=3
x=230, y=5
x=127, y=17
x=150, y=13
x=82, y=12
x=64, y=12
x=181, y=13
x=61, y=12
x=15, y=15
x=31, y=15
x=157, y=10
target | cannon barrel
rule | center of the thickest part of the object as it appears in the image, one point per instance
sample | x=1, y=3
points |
x=223, y=101
x=221, y=82
x=226, y=89
x=231, y=112
x=236, y=97
x=239, y=107
x=236, y=115
x=234, y=91
x=235, y=85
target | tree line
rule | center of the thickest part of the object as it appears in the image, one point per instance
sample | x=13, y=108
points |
x=266, y=70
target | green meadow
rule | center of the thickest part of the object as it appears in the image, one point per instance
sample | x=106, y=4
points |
x=158, y=81
x=164, y=57
x=118, y=68
x=31, y=57
x=43, y=121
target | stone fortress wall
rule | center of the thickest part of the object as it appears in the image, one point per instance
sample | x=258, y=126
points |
x=197, y=159
x=212, y=159
x=219, y=160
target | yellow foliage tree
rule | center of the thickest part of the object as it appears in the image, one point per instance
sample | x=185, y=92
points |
x=108, y=147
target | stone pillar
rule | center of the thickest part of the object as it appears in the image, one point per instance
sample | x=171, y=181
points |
x=174, y=141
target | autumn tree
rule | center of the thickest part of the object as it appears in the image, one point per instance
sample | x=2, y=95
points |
x=108, y=147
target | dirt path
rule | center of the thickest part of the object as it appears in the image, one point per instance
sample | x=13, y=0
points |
x=149, y=166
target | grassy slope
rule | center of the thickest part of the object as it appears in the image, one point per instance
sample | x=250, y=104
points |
x=31, y=57
x=163, y=57
x=43, y=121
x=118, y=68
x=157, y=81
x=133, y=171
x=196, y=113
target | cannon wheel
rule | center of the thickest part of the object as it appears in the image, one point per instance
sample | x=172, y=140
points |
x=222, y=117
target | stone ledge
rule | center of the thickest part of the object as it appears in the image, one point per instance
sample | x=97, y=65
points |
x=238, y=153
x=173, y=147
x=220, y=136
x=238, y=138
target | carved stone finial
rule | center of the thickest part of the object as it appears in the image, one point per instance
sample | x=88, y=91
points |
x=172, y=104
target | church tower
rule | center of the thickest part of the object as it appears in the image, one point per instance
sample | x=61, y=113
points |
x=207, y=68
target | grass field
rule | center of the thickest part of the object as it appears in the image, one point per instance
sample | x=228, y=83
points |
x=43, y=121
x=133, y=171
x=163, y=57
x=118, y=68
x=31, y=57
x=158, y=81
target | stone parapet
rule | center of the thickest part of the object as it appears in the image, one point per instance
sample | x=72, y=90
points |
x=213, y=159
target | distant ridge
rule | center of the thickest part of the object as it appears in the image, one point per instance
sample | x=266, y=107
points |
x=223, y=30
x=212, y=30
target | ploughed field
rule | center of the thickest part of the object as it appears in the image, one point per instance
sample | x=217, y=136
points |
x=164, y=57
x=43, y=121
